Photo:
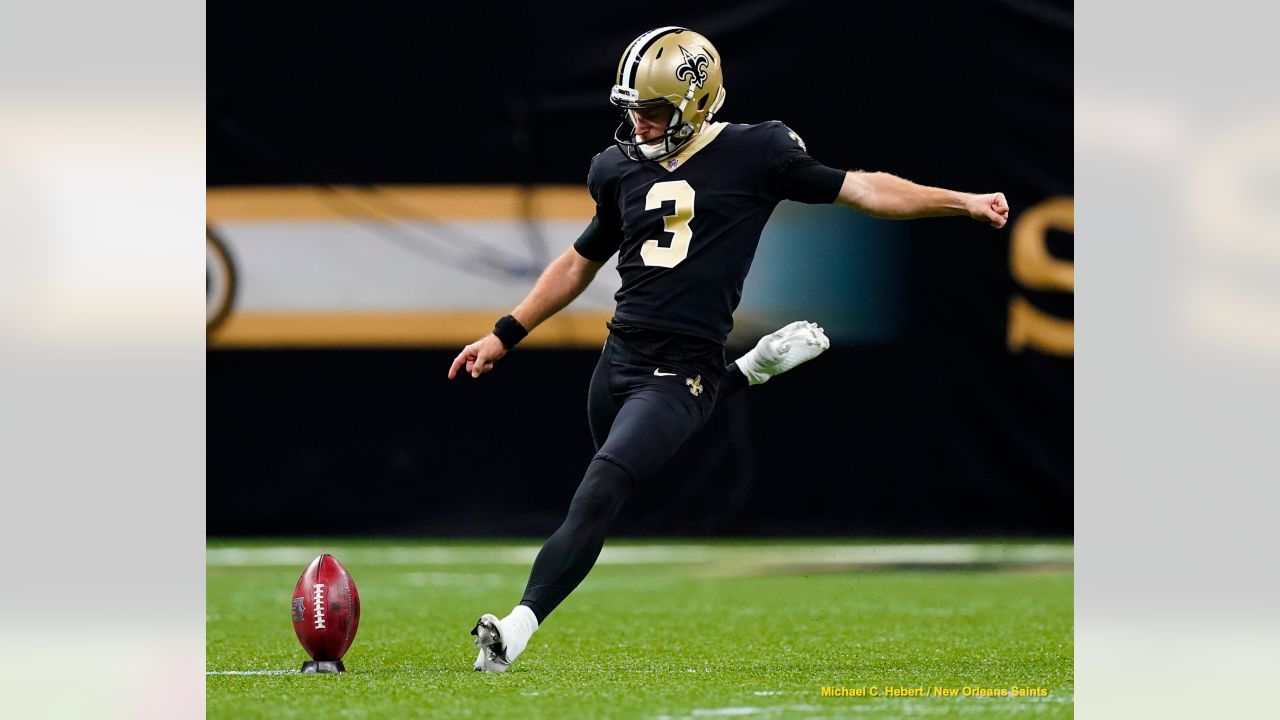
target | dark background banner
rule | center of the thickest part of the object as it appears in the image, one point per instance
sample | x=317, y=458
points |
x=956, y=418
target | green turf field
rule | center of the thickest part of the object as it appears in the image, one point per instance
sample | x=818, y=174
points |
x=658, y=630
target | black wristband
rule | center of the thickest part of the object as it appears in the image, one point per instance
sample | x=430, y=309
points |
x=509, y=331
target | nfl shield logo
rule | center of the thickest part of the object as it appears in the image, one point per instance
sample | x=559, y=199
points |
x=671, y=164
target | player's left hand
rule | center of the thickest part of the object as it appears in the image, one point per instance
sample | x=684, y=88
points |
x=992, y=208
x=479, y=356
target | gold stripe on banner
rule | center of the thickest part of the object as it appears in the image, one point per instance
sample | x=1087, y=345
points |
x=396, y=329
x=452, y=202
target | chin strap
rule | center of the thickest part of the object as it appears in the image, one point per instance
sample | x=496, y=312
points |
x=715, y=104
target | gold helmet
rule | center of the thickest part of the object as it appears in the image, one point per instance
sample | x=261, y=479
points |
x=668, y=65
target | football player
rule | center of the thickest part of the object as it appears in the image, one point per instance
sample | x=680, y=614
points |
x=682, y=201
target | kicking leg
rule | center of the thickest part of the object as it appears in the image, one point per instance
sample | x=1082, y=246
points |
x=776, y=353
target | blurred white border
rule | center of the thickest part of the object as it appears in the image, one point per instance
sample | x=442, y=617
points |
x=1177, y=340
x=102, y=358
x=101, y=159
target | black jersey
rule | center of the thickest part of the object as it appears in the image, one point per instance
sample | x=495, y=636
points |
x=686, y=237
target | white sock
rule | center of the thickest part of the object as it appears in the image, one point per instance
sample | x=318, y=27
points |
x=517, y=628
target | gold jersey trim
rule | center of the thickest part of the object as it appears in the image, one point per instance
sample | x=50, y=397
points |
x=698, y=142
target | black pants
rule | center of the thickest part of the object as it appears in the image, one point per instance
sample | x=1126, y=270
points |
x=641, y=409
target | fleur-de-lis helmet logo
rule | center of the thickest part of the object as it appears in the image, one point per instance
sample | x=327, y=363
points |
x=694, y=67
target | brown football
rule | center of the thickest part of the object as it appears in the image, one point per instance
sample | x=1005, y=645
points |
x=326, y=609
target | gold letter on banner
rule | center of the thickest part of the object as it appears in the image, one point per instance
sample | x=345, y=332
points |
x=1033, y=267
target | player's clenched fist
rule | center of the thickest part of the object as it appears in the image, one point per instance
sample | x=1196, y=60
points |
x=479, y=356
x=991, y=208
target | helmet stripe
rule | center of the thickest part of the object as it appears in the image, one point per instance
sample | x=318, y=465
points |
x=627, y=73
x=622, y=67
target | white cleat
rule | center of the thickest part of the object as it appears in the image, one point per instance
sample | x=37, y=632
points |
x=493, y=653
x=778, y=352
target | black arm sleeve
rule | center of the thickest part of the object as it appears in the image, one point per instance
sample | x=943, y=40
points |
x=808, y=181
x=603, y=236
x=598, y=242
x=793, y=174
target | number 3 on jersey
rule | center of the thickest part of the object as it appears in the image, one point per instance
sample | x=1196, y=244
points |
x=677, y=223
